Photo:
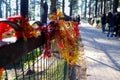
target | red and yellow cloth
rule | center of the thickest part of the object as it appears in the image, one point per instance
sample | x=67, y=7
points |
x=27, y=30
x=67, y=42
x=66, y=35
x=1, y=73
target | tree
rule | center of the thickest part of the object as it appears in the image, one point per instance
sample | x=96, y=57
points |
x=96, y=4
x=101, y=6
x=53, y=6
x=85, y=9
x=73, y=7
x=63, y=6
x=24, y=8
x=44, y=16
x=89, y=7
x=0, y=8
x=115, y=5
x=105, y=6
x=7, y=6
x=17, y=6
x=41, y=9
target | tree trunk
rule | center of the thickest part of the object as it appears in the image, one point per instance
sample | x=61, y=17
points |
x=115, y=5
x=6, y=9
x=96, y=4
x=89, y=8
x=17, y=6
x=101, y=6
x=44, y=15
x=34, y=9
x=85, y=9
x=111, y=4
x=41, y=9
x=9, y=7
x=0, y=8
x=41, y=2
x=24, y=8
x=105, y=6
x=53, y=6
x=63, y=6
x=71, y=7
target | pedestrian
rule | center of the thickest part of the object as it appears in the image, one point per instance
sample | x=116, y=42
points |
x=103, y=22
x=110, y=21
x=117, y=24
x=78, y=19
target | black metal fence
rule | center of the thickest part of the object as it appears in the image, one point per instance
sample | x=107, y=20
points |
x=33, y=67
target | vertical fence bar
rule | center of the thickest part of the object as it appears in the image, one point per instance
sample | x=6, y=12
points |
x=28, y=66
x=57, y=69
x=22, y=65
x=14, y=64
x=41, y=66
x=33, y=62
x=37, y=55
x=53, y=67
x=6, y=74
x=44, y=68
x=65, y=71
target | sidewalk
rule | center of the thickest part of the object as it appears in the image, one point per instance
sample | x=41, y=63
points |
x=102, y=54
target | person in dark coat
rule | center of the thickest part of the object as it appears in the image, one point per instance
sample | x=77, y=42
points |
x=117, y=25
x=110, y=21
x=103, y=22
x=78, y=19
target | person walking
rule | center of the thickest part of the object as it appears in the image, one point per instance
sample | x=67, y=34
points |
x=78, y=19
x=117, y=24
x=103, y=22
x=110, y=21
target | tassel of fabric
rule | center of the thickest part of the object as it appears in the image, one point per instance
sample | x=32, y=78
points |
x=47, y=51
x=1, y=73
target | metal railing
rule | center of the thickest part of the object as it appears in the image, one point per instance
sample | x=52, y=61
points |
x=33, y=67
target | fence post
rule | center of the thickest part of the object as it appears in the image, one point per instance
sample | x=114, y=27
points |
x=65, y=71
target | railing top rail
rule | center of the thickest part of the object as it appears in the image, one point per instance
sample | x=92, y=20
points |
x=11, y=52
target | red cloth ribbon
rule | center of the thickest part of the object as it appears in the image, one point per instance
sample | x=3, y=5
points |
x=4, y=28
x=76, y=29
x=46, y=51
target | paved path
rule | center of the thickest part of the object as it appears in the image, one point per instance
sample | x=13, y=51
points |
x=102, y=54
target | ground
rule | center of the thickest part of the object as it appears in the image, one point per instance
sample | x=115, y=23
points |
x=78, y=71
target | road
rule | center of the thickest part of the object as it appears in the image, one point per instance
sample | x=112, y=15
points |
x=102, y=53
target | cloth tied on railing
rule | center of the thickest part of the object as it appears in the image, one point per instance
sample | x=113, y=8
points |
x=67, y=42
x=66, y=38
x=4, y=28
x=46, y=51
x=75, y=25
x=27, y=30
x=56, y=15
x=1, y=73
x=65, y=35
